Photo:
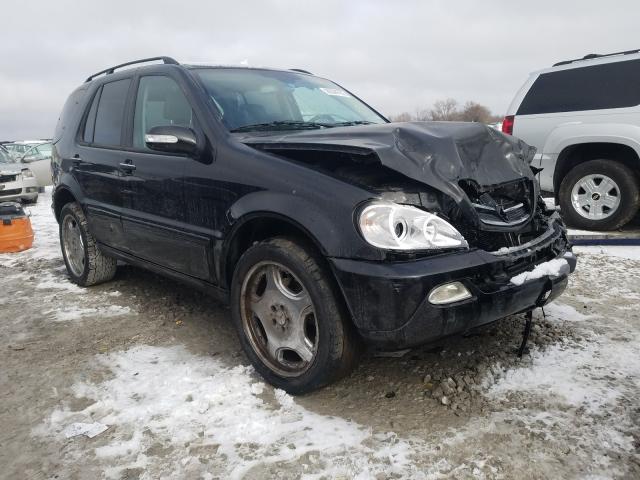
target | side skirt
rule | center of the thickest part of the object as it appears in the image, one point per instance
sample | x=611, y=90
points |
x=220, y=294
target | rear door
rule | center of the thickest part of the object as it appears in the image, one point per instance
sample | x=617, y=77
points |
x=154, y=215
x=97, y=162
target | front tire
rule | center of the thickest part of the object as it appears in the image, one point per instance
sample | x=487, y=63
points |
x=290, y=318
x=86, y=265
x=599, y=195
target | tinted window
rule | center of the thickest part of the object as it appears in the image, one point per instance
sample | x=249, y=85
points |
x=91, y=119
x=160, y=102
x=612, y=85
x=110, y=115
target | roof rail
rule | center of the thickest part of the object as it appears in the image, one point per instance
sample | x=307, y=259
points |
x=595, y=55
x=109, y=71
x=300, y=71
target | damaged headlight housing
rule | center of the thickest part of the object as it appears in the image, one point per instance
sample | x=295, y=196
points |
x=392, y=226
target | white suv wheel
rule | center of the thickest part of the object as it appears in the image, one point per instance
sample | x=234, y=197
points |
x=595, y=196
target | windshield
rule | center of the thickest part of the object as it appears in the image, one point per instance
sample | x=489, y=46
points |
x=274, y=100
x=39, y=152
x=5, y=156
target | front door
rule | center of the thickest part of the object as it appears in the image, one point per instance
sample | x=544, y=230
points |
x=154, y=214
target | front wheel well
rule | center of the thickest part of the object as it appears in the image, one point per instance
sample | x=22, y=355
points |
x=60, y=199
x=574, y=155
x=258, y=229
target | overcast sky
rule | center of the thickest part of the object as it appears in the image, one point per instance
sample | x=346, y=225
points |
x=397, y=55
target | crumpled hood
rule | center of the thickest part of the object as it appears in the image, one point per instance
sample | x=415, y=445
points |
x=439, y=154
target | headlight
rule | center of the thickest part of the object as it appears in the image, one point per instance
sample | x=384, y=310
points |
x=400, y=227
x=26, y=173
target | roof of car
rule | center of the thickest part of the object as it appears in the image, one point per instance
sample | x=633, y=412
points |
x=192, y=65
x=591, y=59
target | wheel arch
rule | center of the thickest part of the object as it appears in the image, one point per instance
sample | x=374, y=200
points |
x=255, y=227
x=577, y=153
x=61, y=197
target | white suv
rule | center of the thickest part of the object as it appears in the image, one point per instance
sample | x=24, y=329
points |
x=583, y=116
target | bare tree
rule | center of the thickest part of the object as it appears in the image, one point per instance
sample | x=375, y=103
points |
x=422, y=114
x=474, y=112
x=402, y=117
x=445, y=110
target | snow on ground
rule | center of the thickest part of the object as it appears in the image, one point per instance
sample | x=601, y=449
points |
x=68, y=313
x=174, y=414
x=620, y=251
x=166, y=395
x=50, y=275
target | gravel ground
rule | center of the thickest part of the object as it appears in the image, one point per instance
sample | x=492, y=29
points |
x=156, y=369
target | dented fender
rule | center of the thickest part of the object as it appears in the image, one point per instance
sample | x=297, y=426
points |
x=327, y=227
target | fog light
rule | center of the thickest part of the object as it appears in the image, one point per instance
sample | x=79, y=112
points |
x=449, y=293
x=32, y=189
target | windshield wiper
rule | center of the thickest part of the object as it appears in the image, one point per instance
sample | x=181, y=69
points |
x=354, y=122
x=281, y=125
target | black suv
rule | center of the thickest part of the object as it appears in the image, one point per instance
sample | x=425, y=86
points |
x=319, y=221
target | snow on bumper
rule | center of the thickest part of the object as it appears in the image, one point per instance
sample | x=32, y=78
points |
x=553, y=268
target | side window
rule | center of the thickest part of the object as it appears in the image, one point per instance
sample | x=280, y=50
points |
x=159, y=102
x=90, y=123
x=597, y=87
x=110, y=114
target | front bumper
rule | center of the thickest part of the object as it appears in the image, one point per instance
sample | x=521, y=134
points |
x=388, y=301
x=19, y=189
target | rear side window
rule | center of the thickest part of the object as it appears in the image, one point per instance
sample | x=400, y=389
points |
x=612, y=85
x=110, y=113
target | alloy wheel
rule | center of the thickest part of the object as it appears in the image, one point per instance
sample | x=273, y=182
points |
x=73, y=245
x=595, y=196
x=278, y=318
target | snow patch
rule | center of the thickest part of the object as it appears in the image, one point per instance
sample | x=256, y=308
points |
x=620, y=251
x=552, y=268
x=167, y=395
x=560, y=311
x=66, y=314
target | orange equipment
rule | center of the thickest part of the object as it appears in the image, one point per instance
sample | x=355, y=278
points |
x=16, y=233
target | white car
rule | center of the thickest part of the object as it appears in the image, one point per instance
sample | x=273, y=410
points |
x=583, y=116
x=37, y=154
x=17, y=182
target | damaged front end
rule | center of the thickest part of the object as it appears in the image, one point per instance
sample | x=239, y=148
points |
x=474, y=179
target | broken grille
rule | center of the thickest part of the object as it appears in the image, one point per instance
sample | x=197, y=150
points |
x=505, y=205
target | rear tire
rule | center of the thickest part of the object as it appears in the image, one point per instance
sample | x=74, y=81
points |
x=265, y=316
x=599, y=195
x=85, y=263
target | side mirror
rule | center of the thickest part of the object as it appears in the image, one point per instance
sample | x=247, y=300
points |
x=173, y=139
x=29, y=159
